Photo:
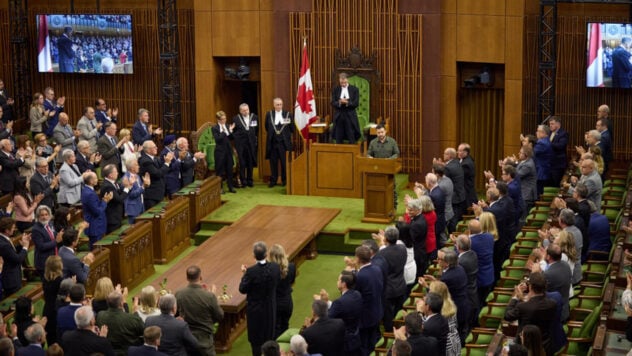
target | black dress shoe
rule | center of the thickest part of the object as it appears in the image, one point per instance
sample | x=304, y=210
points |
x=270, y=185
x=250, y=184
x=232, y=190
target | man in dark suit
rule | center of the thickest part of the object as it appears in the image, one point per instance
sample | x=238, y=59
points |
x=435, y=324
x=279, y=130
x=83, y=340
x=66, y=314
x=370, y=284
x=103, y=114
x=10, y=165
x=142, y=130
x=324, y=335
x=151, y=335
x=177, y=339
x=559, y=141
x=36, y=338
x=45, y=238
x=222, y=134
x=454, y=171
x=345, y=99
x=605, y=143
x=187, y=160
x=259, y=283
x=469, y=261
x=13, y=256
x=94, y=209
x=66, y=51
x=418, y=231
x=413, y=331
x=438, y=200
x=150, y=163
x=54, y=108
x=394, y=256
x=85, y=158
x=116, y=206
x=172, y=178
x=245, y=134
x=110, y=147
x=537, y=310
x=6, y=103
x=43, y=182
x=6, y=130
x=72, y=265
x=348, y=308
x=482, y=243
x=469, y=173
x=621, y=66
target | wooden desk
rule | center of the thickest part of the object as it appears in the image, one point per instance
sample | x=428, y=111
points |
x=204, y=197
x=131, y=253
x=171, y=229
x=99, y=268
x=610, y=342
x=617, y=317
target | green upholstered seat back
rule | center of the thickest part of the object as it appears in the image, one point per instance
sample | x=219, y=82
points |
x=206, y=144
x=364, y=107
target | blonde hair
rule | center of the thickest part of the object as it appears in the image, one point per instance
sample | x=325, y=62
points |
x=488, y=224
x=426, y=204
x=123, y=133
x=147, y=300
x=53, y=268
x=449, y=308
x=219, y=114
x=103, y=287
x=277, y=255
x=567, y=244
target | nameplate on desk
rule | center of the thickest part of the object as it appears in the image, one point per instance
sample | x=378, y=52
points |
x=319, y=125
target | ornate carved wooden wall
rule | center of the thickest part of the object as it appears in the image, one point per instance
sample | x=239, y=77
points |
x=128, y=92
x=373, y=25
x=576, y=104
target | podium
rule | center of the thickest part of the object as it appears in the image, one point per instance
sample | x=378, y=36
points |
x=378, y=181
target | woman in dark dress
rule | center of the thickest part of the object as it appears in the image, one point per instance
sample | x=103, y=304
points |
x=24, y=317
x=52, y=281
x=284, y=289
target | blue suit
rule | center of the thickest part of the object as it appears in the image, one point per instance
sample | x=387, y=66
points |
x=66, y=319
x=438, y=200
x=543, y=155
x=515, y=192
x=621, y=68
x=349, y=308
x=599, y=233
x=143, y=350
x=456, y=280
x=102, y=117
x=140, y=134
x=505, y=221
x=52, y=120
x=31, y=350
x=483, y=245
x=73, y=267
x=370, y=284
x=172, y=178
x=134, y=201
x=559, y=161
x=44, y=245
x=606, y=150
x=94, y=214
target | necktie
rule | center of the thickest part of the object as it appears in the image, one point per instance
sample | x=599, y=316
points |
x=92, y=124
x=52, y=236
x=112, y=140
x=47, y=178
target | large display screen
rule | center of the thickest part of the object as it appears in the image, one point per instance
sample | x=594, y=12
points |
x=609, y=55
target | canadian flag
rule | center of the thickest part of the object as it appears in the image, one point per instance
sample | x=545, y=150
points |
x=44, y=62
x=305, y=105
x=594, y=72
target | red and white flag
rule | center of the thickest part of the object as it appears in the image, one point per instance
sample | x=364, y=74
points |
x=44, y=62
x=305, y=105
x=594, y=72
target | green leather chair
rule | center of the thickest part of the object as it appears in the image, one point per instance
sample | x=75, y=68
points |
x=364, y=107
x=204, y=141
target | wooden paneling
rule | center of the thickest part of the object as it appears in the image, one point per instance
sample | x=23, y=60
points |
x=515, y=8
x=512, y=119
x=203, y=30
x=234, y=5
x=236, y=33
x=448, y=51
x=513, y=47
x=481, y=7
x=480, y=38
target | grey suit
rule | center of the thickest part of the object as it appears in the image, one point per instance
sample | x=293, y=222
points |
x=558, y=279
x=109, y=152
x=528, y=180
x=65, y=136
x=593, y=182
x=69, y=184
x=176, y=337
x=89, y=131
x=469, y=261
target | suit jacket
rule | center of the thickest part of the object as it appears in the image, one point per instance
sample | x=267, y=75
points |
x=455, y=278
x=144, y=350
x=116, y=207
x=543, y=156
x=172, y=179
x=538, y=311
x=422, y=345
x=285, y=130
x=85, y=342
x=558, y=279
x=93, y=212
x=528, y=175
x=437, y=327
x=53, y=120
x=469, y=261
x=102, y=117
x=346, y=112
x=73, y=266
x=9, y=172
x=157, y=172
x=223, y=149
x=246, y=138
x=558, y=145
x=599, y=233
x=13, y=257
x=621, y=68
x=176, y=337
x=395, y=258
x=606, y=146
x=418, y=232
x=483, y=245
x=110, y=154
x=454, y=171
x=6, y=108
x=349, y=308
x=65, y=136
x=594, y=184
x=39, y=185
x=70, y=181
x=89, y=132
x=187, y=167
x=259, y=283
x=447, y=187
x=44, y=245
x=469, y=177
x=370, y=284
x=134, y=200
x=66, y=320
x=83, y=163
x=325, y=336
x=139, y=134
x=437, y=195
x=515, y=194
x=31, y=350
x=503, y=210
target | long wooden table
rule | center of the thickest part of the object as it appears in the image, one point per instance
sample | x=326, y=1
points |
x=171, y=229
x=204, y=197
x=131, y=253
x=220, y=257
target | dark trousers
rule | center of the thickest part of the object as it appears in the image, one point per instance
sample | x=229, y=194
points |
x=391, y=307
x=246, y=165
x=458, y=214
x=556, y=176
x=277, y=156
x=344, y=130
x=224, y=167
x=150, y=203
x=112, y=227
x=368, y=338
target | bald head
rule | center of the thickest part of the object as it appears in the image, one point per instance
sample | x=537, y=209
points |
x=450, y=153
x=474, y=226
